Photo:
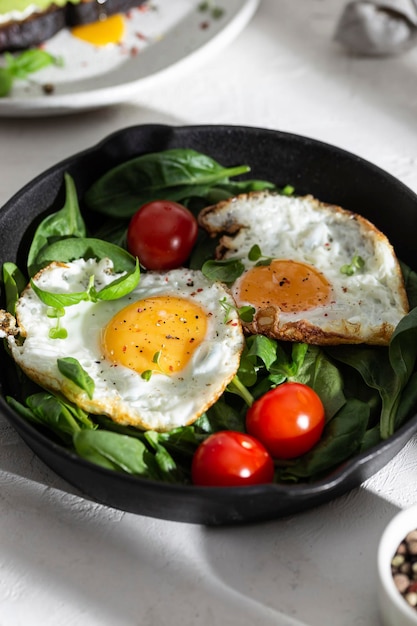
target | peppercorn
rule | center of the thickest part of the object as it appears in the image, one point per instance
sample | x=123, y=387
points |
x=404, y=568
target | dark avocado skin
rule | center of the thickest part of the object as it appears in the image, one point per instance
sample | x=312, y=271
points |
x=35, y=30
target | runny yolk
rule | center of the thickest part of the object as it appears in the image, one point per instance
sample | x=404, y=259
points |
x=108, y=30
x=158, y=333
x=289, y=285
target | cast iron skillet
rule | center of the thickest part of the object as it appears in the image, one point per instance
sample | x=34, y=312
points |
x=330, y=174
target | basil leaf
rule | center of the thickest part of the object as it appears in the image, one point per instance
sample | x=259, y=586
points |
x=67, y=250
x=14, y=283
x=121, y=286
x=6, y=82
x=225, y=271
x=72, y=369
x=28, y=62
x=21, y=65
x=67, y=222
x=176, y=174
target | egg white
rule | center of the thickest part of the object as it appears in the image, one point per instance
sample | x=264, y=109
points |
x=164, y=401
x=364, y=307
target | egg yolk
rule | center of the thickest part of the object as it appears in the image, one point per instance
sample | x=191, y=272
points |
x=158, y=333
x=289, y=285
x=108, y=30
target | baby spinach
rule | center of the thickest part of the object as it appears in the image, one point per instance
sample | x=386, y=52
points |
x=341, y=439
x=72, y=369
x=387, y=371
x=178, y=174
x=112, y=451
x=67, y=222
x=14, y=283
x=55, y=414
x=68, y=249
x=118, y=288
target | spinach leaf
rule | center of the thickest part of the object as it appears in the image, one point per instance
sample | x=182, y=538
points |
x=119, y=287
x=86, y=248
x=387, y=371
x=220, y=416
x=165, y=465
x=113, y=451
x=68, y=222
x=58, y=300
x=318, y=372
x=177, y=174
x=410, y=281
x=47, y=410
x=72, y=369
x=341, y=438
x=14, y=283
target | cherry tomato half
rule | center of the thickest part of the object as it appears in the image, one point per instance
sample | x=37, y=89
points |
x=288, y=420
x=162, y=234
x=230, y=459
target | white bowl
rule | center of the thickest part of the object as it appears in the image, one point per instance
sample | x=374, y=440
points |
x=395, y=611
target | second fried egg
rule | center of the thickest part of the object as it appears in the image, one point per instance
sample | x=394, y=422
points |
x=158, y=357
x=326, y=275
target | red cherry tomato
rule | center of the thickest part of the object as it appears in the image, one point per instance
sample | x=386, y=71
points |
x=230, y=459
x=288, y=420
x=162, y=234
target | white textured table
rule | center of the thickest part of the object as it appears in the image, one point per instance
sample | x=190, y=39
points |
x=65, y=560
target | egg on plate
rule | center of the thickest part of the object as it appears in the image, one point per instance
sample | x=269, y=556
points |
x=325, y=274
x=159, y=357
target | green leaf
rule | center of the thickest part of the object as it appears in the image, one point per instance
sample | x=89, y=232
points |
x=67, y=250
x=59, y=300
x=387, y=371
x=410, y=281
x=354, y=266
x=53, y=414
x=254, y=253
x=121, y=286
x=112, y=451
x=225, y=271
x=341, y=438
x=21, y=65
x=263, y=348
x=67, y=222
x=28, y=62
x=318, y=372
x=176, y=174
x=14, y=283
x=72, y=369
x=6, y=82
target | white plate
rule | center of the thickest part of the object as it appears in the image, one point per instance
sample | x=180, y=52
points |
x=167, y=34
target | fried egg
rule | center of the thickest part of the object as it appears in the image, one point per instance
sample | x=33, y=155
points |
x=326, y=275
x=159, y=357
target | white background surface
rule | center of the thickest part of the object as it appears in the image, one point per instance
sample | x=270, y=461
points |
x=65, y=560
